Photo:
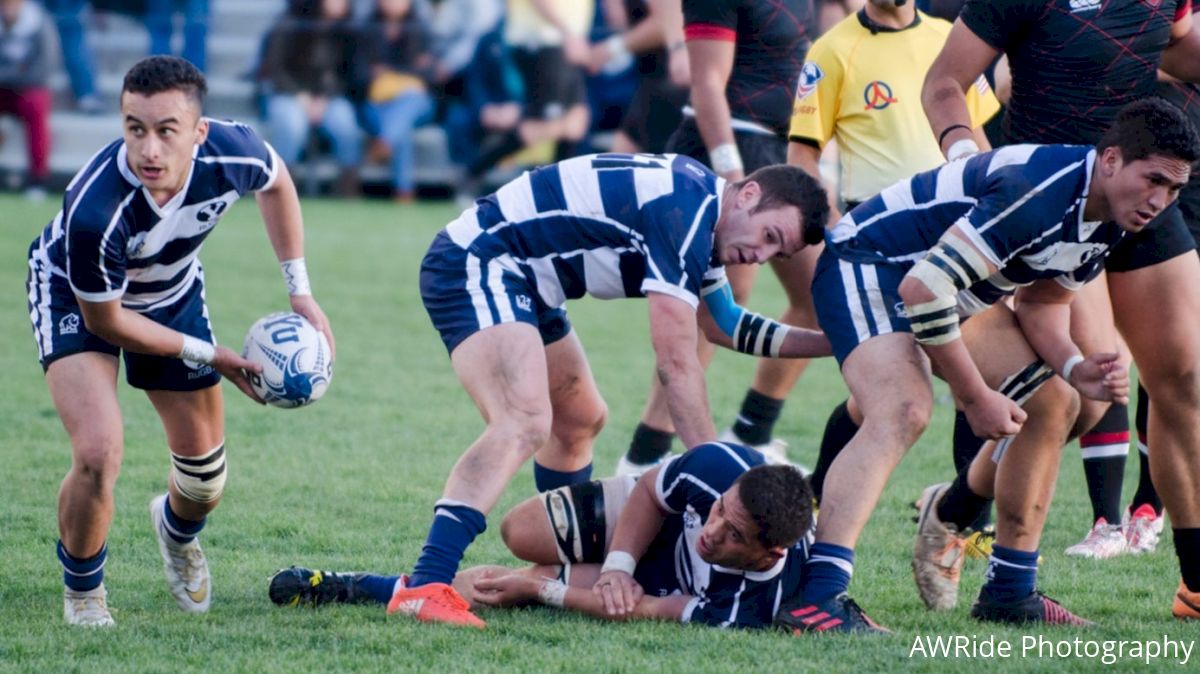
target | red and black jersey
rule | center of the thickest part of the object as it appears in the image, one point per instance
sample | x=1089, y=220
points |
x=772, y=38
x=1074, y=63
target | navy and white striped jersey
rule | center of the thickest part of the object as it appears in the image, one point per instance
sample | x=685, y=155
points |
x=688, y=486
x=112, y=241
x=607, y=225
x=1021, y=205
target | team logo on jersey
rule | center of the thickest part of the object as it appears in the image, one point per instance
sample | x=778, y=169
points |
x=524, y=303
x=878, y=95
x=211, y=211
x=69, y=324
x=1079, y=6
x=810, y=74
x=135, y=245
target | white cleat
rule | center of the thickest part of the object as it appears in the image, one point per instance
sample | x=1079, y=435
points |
x=183, y=563
x=1142, y=529
x=774, y=451
x=938, y=554
x=87, y=609
x=1102, y=542
x=627, y=468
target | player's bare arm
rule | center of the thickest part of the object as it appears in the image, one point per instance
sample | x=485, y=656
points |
x=674, y=335
x=711, y=62
x=521, y=588
x=1043, y=311
x=964, y=58
x=740, y=330
x=1181, y=58
x=638, y=524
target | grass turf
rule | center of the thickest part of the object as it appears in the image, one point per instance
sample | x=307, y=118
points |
x=348, y=484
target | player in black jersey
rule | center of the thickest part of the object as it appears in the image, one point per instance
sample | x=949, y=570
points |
x=1073, y=65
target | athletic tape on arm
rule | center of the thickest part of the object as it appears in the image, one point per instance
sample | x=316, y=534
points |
x=751, y=333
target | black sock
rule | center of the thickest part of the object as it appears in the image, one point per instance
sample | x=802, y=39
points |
x=757, y=418
x=838, y=431
x=1104, y=449
x=648, y=445
x=494, y=148
x=1187, y=548
x=960, y=506
x=966, y=445
x=1146, y=493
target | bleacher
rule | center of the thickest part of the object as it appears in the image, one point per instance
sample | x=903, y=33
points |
x=235, y=31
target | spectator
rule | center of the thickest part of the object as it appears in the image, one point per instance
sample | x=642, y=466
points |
x=25, y=46
x=483, y=101
x=312, y=71
x=160, y=22
x=77, y=57
x=398, y=99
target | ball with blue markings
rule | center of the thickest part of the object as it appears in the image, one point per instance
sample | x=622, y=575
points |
x=296, y=361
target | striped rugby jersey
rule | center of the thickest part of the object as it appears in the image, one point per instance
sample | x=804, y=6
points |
x=1021, y=205
x=688, y=486
x=112, y=241
x=606, y=225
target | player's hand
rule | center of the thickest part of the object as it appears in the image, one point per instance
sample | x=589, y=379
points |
x=509, y=589
x=1101, y=377
x=307, y=307
x=994, y=416
x=619, y=592
x=598, y=56
x=234, y=368
x=575, y=49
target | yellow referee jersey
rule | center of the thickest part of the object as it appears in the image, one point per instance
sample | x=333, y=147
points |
x=524, y=26
x=865, y=90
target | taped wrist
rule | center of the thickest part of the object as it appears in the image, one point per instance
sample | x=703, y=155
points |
x=752, y=333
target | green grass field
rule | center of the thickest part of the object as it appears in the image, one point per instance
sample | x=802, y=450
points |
x=349, y=484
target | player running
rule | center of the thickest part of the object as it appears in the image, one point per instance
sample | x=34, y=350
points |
x=117, y=270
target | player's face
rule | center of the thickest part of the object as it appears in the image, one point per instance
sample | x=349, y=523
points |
x=747, y=236
x=730, y=536
x=161, y=133
x=1138, y=191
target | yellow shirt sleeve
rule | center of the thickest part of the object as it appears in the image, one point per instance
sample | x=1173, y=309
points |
x=981, y=102
x=818, y=90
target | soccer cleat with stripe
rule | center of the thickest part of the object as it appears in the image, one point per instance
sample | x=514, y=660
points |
x=938, y=554
x=1102, y=542
x=183, y=563
x=298, y=586
x=1142, y=528
x=434, y=603
x=1187, y=604
x=1036, y=608
x=87, y=609
x=838, y=614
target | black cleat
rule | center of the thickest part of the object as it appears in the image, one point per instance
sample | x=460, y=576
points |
x=1036, y=608
x=297, y=585
x=839, y=614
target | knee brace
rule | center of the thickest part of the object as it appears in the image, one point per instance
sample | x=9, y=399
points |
x=200, y=478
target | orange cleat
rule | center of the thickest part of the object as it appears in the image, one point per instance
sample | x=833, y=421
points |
x=434, y=603
x=1187, y=604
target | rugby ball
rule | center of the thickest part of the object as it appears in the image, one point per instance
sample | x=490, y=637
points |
x=297, y=365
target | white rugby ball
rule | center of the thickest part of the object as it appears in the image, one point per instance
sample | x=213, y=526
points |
x=297, y=365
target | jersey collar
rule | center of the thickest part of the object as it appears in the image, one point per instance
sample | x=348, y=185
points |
x=131, y=177
x=875, y=28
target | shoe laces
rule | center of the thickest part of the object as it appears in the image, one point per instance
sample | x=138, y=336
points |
x=89, y=606
x=449, y=598
x=1055, y=614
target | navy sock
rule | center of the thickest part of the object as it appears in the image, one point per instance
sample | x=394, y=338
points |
x=82, y=575
x=455, y=526
x=648, y=445
x=546, y=479
x=1187, y=548
x=827, y=572
x=839, y=429
x=1104, y=449
x=756, y=420
x=379, y=588
x=179, y=529
x=1011, y=574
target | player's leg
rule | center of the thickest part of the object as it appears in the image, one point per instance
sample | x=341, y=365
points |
x=1143, y=519
x=579, y=413
x=568, y=525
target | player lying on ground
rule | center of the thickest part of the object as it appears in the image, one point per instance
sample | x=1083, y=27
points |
x=713, y=537
x=117, y=270
x=495, y=282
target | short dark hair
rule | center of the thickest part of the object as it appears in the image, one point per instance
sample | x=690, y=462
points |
x=779, y=500
x=1152, y=126
x=783, y=185
x=156, y=74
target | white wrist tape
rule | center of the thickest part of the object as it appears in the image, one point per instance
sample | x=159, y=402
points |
x=295, y=274
x=961, y=148
x=197, y=350
x=617, y=49
x=552, y=593
x=619, y=560
x=1069, y=366
x=725, y=158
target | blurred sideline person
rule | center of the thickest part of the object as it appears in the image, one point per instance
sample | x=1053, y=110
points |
x=744, y=59
x=861, y=85
x=117, y=270
x=896, y=275
x=713, y=537
x=1097, y=59
x=26, y=58
x=495, y=282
